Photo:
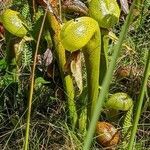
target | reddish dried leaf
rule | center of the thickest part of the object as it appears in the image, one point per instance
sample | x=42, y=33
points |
x=74, y=6
x=48, y=57
x=44, y=2
x=1, y=29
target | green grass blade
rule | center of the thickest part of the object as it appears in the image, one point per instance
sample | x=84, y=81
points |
x=107, y=80
x=140, y=102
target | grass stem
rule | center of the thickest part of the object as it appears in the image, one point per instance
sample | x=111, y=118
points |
x=140, y=102
x=32, y=85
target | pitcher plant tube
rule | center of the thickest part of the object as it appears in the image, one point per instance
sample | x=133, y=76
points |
x=106, y=13
x=61, y=58
x=122, y=102
x=13, y=23
x=84, y=33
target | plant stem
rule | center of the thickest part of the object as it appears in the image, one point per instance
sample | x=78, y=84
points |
x=107, y=80
x=32, y=85
x=140, y=102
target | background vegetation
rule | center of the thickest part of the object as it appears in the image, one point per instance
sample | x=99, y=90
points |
x=50, y=126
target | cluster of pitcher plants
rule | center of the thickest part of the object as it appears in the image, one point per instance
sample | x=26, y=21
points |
x=78, y=32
